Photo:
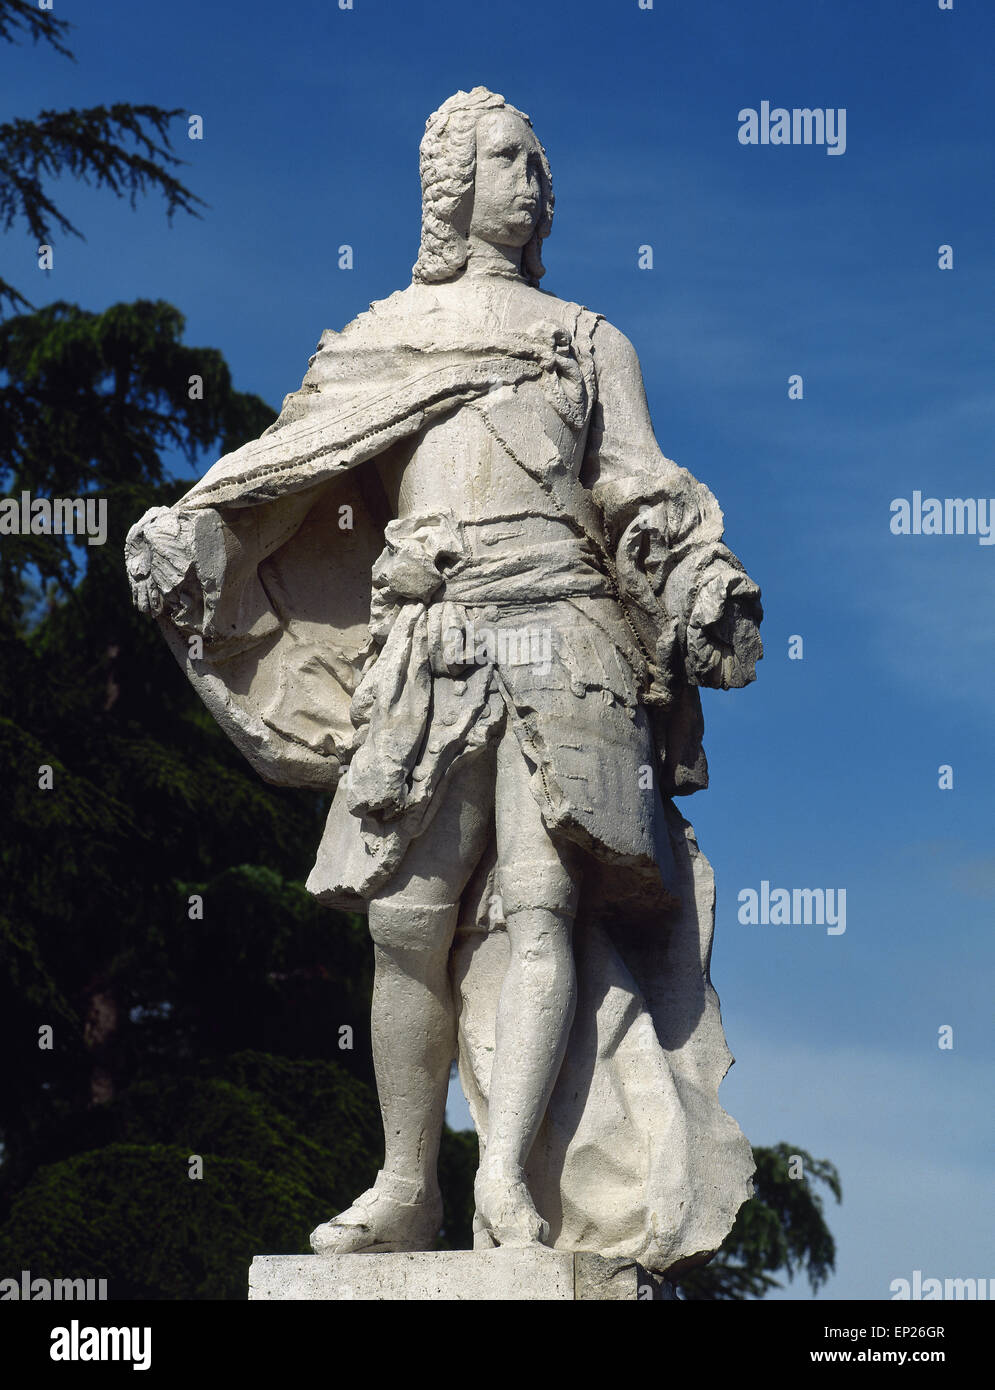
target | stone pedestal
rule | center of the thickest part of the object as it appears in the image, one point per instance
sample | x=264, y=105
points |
x=530, y=1274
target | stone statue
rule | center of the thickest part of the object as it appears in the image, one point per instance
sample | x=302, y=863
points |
x=504, y=721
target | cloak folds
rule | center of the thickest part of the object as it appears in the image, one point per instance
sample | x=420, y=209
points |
x=267, y=561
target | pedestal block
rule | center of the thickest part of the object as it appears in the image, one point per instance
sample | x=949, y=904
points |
x=533, y=1273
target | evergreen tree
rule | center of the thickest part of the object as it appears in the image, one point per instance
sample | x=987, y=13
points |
x=122, y=147
x=781, y=1228
x=153, y=911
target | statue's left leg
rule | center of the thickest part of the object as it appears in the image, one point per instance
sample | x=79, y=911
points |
x=537, y=884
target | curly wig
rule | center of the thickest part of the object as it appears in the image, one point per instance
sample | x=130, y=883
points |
x=448, y=160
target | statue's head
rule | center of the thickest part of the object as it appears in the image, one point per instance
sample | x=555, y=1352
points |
x=482, y=171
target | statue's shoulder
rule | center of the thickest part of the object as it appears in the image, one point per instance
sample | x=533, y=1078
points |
x=403, y=306
x=403, y=315
x=566, y=311
x=607, y=347
x=611, y=349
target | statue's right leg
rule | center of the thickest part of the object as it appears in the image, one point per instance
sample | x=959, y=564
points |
x=412, y=923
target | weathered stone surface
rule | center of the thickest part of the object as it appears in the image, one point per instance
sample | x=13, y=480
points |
x=458, y=584
x=529, y=1273
x=597, y=1280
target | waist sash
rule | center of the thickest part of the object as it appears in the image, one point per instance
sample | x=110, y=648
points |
x=424, y=582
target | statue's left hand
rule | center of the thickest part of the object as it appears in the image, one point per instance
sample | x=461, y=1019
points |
x=723, y=641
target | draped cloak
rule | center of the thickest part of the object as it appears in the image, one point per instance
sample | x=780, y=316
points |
x=268, y=559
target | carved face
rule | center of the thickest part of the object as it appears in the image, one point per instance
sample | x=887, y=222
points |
x=507, y=198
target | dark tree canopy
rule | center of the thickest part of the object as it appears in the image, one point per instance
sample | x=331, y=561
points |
x=149, y=803
x=100, y=402
x=150, y=812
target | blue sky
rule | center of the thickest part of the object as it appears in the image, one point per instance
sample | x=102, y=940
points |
x=768, y=261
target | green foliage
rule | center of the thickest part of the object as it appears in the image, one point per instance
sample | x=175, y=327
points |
x=152, y=1008
x=24, y=17
x=269, y=968
x=130, y=1214
x=459, y=1155
x=782, y=1227
x=150, y=803
x=87, y=145
x=123, y=148
x=94, y=403
x=283, y=1145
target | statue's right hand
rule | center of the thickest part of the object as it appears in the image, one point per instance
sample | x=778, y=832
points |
x=148, y=548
